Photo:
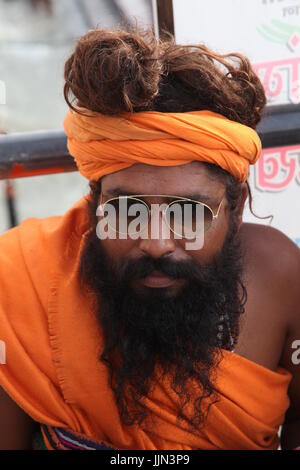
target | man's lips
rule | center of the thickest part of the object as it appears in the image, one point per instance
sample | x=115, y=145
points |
x=158, y=280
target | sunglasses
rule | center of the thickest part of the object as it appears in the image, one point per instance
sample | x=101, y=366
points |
x=185, y=217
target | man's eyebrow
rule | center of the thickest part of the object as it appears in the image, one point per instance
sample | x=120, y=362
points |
x=124, y=192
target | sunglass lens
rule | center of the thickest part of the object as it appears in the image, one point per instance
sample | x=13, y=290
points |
x=188, y=219
x=127, y=215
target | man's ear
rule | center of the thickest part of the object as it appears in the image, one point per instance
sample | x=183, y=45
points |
x=240, y=206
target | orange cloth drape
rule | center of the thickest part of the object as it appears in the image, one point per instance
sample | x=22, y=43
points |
x=53, y=342
x=104, y=144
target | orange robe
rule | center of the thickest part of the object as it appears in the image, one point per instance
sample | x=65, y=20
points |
x=53, y=340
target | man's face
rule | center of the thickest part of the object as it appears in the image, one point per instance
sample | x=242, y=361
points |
x=158, y=303
x=192, y=181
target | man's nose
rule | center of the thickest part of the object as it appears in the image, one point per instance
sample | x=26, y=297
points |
x=159, y=239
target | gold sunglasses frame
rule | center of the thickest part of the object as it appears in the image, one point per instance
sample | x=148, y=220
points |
x=179, y=199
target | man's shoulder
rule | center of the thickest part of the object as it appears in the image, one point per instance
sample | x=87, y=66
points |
x=269, y=243
x=274, y=260
x=38, y=247
x=35, y=233
x=26, y=246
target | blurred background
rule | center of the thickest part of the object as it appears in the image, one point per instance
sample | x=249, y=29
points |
x=36, y=37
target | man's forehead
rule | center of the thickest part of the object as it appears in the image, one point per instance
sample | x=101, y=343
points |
x=188, y=180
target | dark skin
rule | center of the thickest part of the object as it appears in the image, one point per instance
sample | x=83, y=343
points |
x=16, y=427
x=271, y=321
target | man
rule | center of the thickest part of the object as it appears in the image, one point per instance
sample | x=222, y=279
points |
x=120, y=337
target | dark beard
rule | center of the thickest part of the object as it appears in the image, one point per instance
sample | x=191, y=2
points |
x=178, y=333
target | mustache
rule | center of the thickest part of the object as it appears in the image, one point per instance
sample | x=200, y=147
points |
x=132, y=270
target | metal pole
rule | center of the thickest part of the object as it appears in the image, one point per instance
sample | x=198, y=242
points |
x=34, y=153
x=165, y=16
x=10, y=198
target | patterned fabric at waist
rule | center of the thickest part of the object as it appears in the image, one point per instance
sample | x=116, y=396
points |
x=55, y=438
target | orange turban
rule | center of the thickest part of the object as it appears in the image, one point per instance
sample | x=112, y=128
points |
x=104, y=144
